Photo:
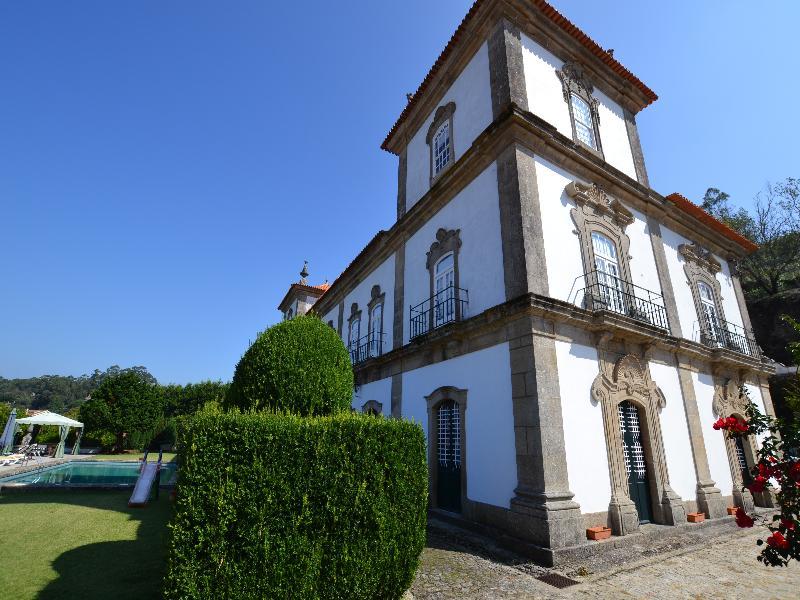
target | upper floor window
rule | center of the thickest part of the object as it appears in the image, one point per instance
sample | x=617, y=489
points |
x=441, y=148
x=289, y=314
x=440, y=139
x=606, y=263
x=355, y=330
x=584, y=125
x=709, y=307
x=375, y=316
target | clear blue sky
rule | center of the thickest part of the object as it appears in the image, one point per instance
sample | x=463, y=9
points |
x=165, y=167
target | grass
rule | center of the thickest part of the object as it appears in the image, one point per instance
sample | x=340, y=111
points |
x=81, y=544
x=152, y=457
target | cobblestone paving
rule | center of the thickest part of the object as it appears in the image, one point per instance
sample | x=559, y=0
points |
x=457, y=564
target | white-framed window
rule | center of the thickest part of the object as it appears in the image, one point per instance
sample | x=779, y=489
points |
x=289, y=314
x=606, y=262
x=442, y=148
x=709, y=308
x=376, y=330
x=355, y=331
x=584, y=124
x=444, y=278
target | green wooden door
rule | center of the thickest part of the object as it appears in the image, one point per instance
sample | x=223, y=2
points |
x=635, y=460
x=448, y=430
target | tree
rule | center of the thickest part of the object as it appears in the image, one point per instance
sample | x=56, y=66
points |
x=126, y=403
x=188, y=399
x=774, y=226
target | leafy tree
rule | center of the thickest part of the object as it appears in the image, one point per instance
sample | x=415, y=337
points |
x=126, y=404
x=774, y=226
x=188, y=399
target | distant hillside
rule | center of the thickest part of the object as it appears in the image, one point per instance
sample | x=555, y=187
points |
x=57, y=393
x=772, y=333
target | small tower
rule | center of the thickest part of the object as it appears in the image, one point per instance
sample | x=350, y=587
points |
x=301, y=296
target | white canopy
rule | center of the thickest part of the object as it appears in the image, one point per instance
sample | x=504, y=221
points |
x=50, y=418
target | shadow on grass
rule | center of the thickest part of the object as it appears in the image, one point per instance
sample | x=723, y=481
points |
x=118, y=569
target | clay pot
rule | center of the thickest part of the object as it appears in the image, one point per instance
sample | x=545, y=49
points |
x=598, y=533
x=732, y=510
x=696, y=517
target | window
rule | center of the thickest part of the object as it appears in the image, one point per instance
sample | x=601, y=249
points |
x=441, y=148
x=584, y=125
x=444, y=287
x=607, y=266
x=289, y=314
x=709, y=311
x=355, y=331
x=376, y=330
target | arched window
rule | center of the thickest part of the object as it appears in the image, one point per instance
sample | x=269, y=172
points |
x=441, y=148
x=584, y=124
x=440, y=139
x=579, y=95
x=376, y=330
x=444, y=290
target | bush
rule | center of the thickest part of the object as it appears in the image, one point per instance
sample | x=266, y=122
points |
x=279, y=506
x=298, y=366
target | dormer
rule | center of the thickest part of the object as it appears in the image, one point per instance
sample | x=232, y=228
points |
x=301, y=296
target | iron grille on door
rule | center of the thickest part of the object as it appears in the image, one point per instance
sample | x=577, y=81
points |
x=449, y=435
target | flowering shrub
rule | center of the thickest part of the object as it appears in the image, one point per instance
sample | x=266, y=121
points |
x=777, y=470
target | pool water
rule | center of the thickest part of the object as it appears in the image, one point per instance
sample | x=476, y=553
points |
x=87, y=473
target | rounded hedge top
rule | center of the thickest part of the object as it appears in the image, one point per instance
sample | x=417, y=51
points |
x=298, y=366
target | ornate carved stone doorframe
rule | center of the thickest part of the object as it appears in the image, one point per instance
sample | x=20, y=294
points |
x=727, y=402
x=627, y=379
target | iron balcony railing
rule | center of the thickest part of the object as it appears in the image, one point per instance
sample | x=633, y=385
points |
x=366, y=347
x=606, y=292
x=722, y=334
x=444, y=307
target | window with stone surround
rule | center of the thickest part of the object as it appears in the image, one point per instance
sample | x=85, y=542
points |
x=440, y=140
x=583, y=106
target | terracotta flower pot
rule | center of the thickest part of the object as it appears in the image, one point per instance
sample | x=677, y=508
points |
x=598, y=533
x=732, y=510
x=696, y=517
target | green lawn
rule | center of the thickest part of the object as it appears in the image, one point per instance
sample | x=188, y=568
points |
x=152, y=457
x=81, y=544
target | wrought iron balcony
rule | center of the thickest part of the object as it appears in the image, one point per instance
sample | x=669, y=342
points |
x=444, y=307
x=366, y=347
x=722, y=334
x=606, y=292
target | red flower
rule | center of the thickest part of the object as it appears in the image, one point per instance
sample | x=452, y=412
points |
x=788, y=524
x=743, y=519
x=776, y=540
x=795, y=471
x=758, y=484
x=719, y=424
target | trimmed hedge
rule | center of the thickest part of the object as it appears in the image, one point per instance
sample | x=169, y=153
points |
x=280, y=506
x=298, y=366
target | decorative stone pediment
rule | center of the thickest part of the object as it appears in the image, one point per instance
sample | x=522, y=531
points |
x=627, y=381
x=592, y=197
x=704, y=259
x=728, y=399
x=446, y=241
x=573, y=79
x=442, y=114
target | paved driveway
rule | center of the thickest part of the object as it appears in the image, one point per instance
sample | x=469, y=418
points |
x=456, y=566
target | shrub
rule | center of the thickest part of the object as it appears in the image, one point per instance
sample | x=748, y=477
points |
x=280, y=506
x=299, y=366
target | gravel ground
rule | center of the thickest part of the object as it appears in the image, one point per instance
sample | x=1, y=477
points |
x=461, y=564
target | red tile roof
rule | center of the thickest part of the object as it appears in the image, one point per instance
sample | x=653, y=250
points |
x=549, y=12
x=691, y=208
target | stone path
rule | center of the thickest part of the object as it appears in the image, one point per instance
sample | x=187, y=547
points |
x=458, y=564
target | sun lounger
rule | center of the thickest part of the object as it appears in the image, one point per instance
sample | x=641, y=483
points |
x=11, y=459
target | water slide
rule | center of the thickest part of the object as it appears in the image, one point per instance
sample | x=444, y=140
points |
x=147, y=475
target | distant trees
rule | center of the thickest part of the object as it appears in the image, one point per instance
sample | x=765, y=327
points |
x=775, y=226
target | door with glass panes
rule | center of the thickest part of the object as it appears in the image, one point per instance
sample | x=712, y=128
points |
x=444, y=300
x=606, y=264
x=448, y=444
x=709, y=316
x=635, y=459
x=376, y=331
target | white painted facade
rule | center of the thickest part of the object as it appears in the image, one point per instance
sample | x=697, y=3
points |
x=472, y=96
x=423, y=365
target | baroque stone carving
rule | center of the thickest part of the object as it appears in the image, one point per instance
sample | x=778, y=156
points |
x=574, y=81
x=703, y=258
x=446, y=241
x=442, y=114
x=627, y=379
x=701, y=265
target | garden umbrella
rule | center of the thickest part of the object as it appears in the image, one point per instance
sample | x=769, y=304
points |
x=7, y=441
x=50, y=418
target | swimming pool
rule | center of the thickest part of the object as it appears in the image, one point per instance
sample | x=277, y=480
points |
x=87, y=474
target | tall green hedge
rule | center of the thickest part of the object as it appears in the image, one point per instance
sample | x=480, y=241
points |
x=280, y=506
x=299, y=366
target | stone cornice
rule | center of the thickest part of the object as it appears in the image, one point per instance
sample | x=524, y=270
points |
x=495, y=325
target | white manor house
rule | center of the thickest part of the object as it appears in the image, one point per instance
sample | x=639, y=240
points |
x=565, y=334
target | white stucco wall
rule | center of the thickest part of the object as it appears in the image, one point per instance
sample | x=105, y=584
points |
x=729, y=303
x=714, y=440
x=675, y=432
x=584, y=437
x=471, y=93
x=380, y=391
x=383, y=276
x=490, y=453
x=546, y=100
x=562, y=245
x=758, y=400
x=476, y=212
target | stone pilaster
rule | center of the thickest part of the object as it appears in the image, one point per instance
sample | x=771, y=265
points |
x=709, y=498
x=663, y=277
x=506, y=71
x=402, y=178
x=340, y=319
x=399, y=296
x=543, y=505
x=636, y=148
x=739, y=293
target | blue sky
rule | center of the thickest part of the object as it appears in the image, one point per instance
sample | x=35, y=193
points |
x=166, y=167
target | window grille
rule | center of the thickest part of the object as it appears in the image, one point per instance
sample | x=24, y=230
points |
x=449, y=434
